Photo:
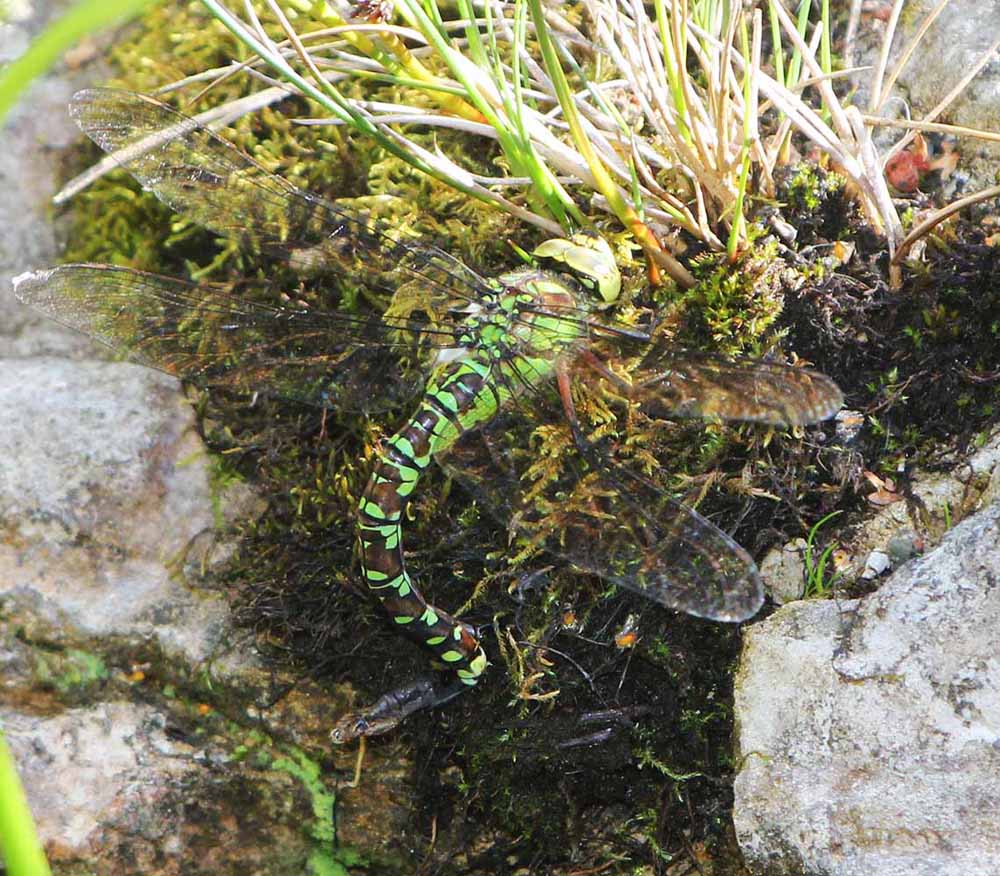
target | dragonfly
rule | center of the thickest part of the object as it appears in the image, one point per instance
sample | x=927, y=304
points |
x=470, y=353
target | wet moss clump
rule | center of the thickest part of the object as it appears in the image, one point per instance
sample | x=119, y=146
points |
x=818, y=199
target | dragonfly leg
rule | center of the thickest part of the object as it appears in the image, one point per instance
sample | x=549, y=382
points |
x=592, y=361
x=569, y=409
x=585, y=447
x=358, y=763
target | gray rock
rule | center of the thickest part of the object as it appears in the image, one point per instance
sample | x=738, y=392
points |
x=784, y=571
x=869, y=731
x=103, y=486
x=148, y=734
x=32, y=136
x=904, y=545
x=115, y=788
x=85, y=764
x=952, y=46
x=984, y=468
x=877, y=563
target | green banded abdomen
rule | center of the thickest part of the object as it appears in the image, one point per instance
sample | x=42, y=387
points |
x=458, y=399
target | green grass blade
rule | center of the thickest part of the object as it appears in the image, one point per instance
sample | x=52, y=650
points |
x=85, y=17
x=737, y=231
x=777, y=53
x=21, y=850
x=815, y=584
x=825, y=53
x=802, y=22
x=672, y=68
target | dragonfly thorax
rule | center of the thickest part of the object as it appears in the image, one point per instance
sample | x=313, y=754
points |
x=535, y=314
x=540, y=312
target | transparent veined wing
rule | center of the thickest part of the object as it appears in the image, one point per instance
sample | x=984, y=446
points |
x=610, y=520
x=676, y=383
x=636, y=536
x=258, y=339
x=672, y=382
x=208, y=179
x=602, y=520
x=204, y=333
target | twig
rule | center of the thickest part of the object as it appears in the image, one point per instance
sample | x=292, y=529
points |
x=938, y=216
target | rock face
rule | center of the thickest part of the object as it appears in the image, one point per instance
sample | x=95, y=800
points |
x=89, y=764
x=103, y=487
x=869, y=731
x=954, y=45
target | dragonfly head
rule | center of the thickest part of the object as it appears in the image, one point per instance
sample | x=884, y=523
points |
x=588, y=259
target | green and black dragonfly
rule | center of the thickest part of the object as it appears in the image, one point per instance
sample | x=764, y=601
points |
x=470, y=351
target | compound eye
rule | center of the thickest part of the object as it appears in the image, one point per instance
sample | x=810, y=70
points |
x=589, y=259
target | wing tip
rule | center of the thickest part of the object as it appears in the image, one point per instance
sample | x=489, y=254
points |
x=23, y=283
x=833, y=402
x=84, y=98
x=94, y=93
x=739, y=604
x=737, y=614
x=830, y=400
x=85, y=102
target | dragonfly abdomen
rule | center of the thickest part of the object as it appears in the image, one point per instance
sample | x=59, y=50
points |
x=458, y=398
x=507, y=354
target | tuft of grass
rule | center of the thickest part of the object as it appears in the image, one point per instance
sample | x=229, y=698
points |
x=818, y=582
x=671, y=121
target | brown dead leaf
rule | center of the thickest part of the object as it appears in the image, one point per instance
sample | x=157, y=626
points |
x=885, y=490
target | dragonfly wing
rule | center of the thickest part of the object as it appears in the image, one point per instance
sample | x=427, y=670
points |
x=202, y=333
x=607, y=518
x=637, y=537
x=604, y=520
x=674, y=383
x=207, y=178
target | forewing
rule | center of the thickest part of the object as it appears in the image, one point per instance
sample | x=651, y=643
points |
x=202, y=333
x=208, y=179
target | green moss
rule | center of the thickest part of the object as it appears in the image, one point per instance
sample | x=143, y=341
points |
x=817, y=204
x=70, y=671
x=806, y=187
x=221, y=477
x=327, y=859
x=734, y=306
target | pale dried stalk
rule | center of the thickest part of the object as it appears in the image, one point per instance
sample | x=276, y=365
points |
x=904, y=58
x=938, y=216
x=935, y=127
x=890, y=30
